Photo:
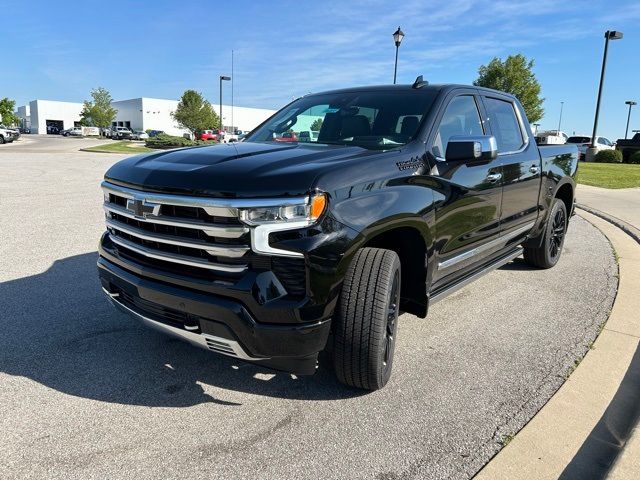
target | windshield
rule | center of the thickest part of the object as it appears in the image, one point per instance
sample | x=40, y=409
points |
x=578, y=140
x=369, y=119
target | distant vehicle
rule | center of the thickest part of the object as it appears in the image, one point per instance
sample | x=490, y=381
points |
x=106, y=132
x=6, y=135
x=73, y=132
x=155, y=133
x=628, y=147
x=551, y=137
x=583, y=142
x=15, y=132
x=139, y=135
x=120, y=133
x=308, y=136
x=213, y=135
x=287, y=137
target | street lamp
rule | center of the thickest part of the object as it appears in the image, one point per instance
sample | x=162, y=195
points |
x=225, y=78
x=536, y=130
x=398, y=35
x=560, y=121
x=608, y=35
x=631, y=103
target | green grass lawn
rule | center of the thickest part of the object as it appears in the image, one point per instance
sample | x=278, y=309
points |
x=609, y=175
x=119, y=147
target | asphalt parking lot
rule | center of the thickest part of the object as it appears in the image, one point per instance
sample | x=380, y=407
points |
x=87, y=393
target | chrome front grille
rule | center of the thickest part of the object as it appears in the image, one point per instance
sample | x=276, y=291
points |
x=192, y=231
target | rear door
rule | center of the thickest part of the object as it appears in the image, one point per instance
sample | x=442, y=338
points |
x=468, y=200
x=521, y=170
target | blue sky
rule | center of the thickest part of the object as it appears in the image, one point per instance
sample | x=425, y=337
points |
x=284, y=49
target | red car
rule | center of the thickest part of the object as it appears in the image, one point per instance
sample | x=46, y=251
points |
x=211, y=135
x=287, y=137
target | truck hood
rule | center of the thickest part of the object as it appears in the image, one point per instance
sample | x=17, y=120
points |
x=240, y=170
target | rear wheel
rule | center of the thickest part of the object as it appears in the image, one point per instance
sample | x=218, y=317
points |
x=548, y=253
x=365, y=323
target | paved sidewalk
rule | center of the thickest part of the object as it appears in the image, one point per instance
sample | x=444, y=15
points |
x=623, y=203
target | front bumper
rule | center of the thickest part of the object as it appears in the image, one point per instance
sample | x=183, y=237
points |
x=219, y=324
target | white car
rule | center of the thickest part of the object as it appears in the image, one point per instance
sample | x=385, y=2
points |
x=551, y=137
x=6, y=135
x=584, y=141
x=139, y=135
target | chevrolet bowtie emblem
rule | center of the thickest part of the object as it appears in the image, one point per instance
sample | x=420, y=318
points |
x=141, y=208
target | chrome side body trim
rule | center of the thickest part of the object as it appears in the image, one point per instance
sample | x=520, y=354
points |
x=221, y=345
x=471, y=278
x=176, y=258
x=484, y=247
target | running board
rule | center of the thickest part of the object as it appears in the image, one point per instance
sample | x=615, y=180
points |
x=474, y=276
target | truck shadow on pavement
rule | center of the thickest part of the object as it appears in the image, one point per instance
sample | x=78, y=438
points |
x=59, y=330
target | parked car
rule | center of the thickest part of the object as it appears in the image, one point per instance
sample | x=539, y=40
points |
x=139, y=135
x=120, y=133
x=73, y=132
x=155, y=133
x=214, y=135
x=277, y=251
x=628, y=147
x=286, y=137
x=6, y=135
x=551, y=137
x=583, y=142
x=15, y=132
x=308, y=136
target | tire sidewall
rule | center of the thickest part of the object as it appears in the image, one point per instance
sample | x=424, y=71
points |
x=557, y=205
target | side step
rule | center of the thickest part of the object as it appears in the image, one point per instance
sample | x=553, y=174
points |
x=440, y=294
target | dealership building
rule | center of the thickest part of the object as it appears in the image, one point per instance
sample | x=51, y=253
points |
x=48, y=116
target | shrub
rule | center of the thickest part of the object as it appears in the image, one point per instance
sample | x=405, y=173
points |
x=608, y=156
x=634, y=158
x=170, y=141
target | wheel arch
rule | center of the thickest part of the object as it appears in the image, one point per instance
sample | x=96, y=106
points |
x=410, y=242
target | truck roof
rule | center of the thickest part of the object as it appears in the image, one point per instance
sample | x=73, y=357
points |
x=437, y=88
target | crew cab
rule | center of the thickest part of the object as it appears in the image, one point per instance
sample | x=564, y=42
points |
x=272, y=252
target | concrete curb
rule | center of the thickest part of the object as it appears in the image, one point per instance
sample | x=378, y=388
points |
x=550, y=445
x=629, y=229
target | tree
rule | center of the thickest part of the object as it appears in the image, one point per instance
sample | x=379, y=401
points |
x=99, y=112
x=195, y=113
x=316, y=125
x=7, y=117
x=515, y=76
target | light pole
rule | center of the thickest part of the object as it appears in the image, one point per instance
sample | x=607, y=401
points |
x=535, y=132
x=608, y=35
x=398, y=35
x=631, y=103
x=225, y=78
x=560, y=121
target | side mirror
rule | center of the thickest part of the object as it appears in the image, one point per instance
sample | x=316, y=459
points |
x=471, y=148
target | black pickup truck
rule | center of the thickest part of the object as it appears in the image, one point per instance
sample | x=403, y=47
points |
x=271, y=251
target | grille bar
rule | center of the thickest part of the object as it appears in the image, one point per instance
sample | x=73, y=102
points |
x=211, y=230
x=232, y=251
x=176, y=258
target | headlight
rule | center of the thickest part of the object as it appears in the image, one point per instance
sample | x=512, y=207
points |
x=308, y=212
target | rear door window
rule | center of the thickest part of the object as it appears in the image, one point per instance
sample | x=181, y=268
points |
x=504, y=124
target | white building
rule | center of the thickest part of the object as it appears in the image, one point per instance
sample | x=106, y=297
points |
x=46, y=116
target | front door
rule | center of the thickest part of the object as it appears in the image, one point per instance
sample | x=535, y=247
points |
x=469, y=198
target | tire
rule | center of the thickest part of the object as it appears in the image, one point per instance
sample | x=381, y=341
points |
x=1, y=139
x=549, y=251
x=365, y=322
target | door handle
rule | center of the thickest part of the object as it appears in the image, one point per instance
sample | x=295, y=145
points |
x=534, y=169
x=494, y=177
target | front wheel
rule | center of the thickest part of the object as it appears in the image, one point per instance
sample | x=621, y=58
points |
x=365, y=322
x=548, y=253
